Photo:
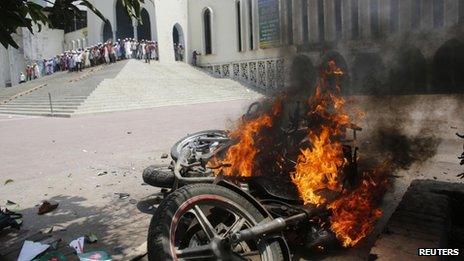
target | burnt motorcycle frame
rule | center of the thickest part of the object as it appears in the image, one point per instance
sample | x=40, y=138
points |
x=283, y=212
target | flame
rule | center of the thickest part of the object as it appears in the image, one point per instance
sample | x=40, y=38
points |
x=354, y=214
x=318, y=171
x=241, y=156
x=317, y=168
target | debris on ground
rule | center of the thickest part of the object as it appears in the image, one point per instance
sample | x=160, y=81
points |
x=164, y=156
x=94, y=256
x=102, y=173
x=8, y=181
x=91, y=238
x=129, y=132
x=133, y=201
x=55, y=256
x=31, y=249
x=78, y=245
x=123, y=195
x=10, y=219
x=46, y=207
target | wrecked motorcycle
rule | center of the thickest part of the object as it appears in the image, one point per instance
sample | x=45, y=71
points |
x=211, y=217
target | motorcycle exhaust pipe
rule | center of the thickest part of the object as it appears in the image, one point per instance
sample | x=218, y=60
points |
x=265, y=229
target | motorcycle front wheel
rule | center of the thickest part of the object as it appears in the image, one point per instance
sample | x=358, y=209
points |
x=191, y=223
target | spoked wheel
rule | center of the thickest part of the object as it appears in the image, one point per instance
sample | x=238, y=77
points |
x=202, y=142
x=192, y=223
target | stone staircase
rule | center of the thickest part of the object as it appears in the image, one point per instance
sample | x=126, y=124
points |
x=67, y=90
x=124, y=86
x=141, y=85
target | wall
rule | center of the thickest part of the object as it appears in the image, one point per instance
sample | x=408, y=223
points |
x=225, y=32
x=108, y=9
x=12, y=62
x=170, y=13
x=44, y=44
x=79, y=35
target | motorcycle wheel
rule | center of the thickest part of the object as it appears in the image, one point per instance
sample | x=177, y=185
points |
x=158, y=176
x=190, y=222
x=178, y=146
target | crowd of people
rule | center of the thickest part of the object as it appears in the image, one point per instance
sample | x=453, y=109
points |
x=103, y=53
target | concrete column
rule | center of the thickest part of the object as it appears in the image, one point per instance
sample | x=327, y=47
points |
x=384, y=17
x=313, y=22
x=405, y=15
x=364, y=18
x=451, y=12
x=134, y=25
x=346, y=20
x=297, y=27
x=329, y=20
x=427, y=14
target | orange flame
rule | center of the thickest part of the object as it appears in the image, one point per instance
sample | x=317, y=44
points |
x=241, y=156
x=354, y=214
x=318, y=171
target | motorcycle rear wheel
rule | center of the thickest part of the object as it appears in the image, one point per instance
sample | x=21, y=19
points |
x=190, y=221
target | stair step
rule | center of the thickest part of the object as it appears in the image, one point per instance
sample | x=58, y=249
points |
x=33, y=113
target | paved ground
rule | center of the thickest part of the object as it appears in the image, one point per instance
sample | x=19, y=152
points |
x=59, y=160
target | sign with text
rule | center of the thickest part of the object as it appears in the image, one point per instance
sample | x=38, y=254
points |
x=269, y=23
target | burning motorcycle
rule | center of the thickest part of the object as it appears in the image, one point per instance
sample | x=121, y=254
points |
x=251, y=193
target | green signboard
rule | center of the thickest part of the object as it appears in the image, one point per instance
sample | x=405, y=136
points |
x=269, y=23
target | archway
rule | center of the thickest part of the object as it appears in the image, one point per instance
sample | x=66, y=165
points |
x=409, y=73
x=144, y=30
x=448, y=67
x=368, y=74
x=341, y=63
x=123, y=22
x=302, y=76
x=178, y=39
x=107, y=31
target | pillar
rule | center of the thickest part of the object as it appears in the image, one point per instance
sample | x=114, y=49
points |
x=364, y=18
x=329, y=20
x=451, y=12
x=313, y=22
x=405, y=15
x=346, y=20
x=427, y=14
x=384, y=17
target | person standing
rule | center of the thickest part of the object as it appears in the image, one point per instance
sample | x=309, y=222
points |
x=195, y=55
x=78, y=62
x=181, y=52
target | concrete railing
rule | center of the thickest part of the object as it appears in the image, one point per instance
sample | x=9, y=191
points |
x=267, y=75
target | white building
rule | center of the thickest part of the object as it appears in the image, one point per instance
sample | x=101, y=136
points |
x=381, y=44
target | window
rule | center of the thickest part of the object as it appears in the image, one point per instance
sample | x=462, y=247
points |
x=354, y=19
x=320, y=19
x=304, y=20
x=438, y=13
x=290, y=21
x=250, y=24
x=394, y=15
x=338, y=19
x=374, y=12
x=207, y=30
x=239, y=26
x=415, y=14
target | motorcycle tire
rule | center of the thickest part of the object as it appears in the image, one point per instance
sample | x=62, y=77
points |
x=158, y=176
x=159, y=235
x=177, y=148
